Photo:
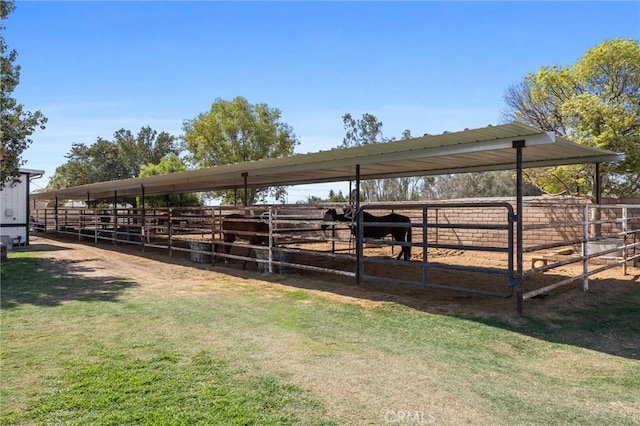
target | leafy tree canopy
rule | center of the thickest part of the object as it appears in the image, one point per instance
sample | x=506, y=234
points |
x=148, y=147
x=16, y=124
x=595, y=102
x=107, y=160
x=368, y=130
x=169, y=164
x=363, y=131
x=236, y=131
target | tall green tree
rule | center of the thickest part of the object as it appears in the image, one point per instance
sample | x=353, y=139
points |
x=106, y=160
x=365, y=131
x=16, y=124
x=595, y=102
x=147, y=147
x=236, y=131
x=368, y=130
x=98, y=162
x=169, y=164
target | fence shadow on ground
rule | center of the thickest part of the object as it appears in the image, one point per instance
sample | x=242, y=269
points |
x=603, y=319
x=39, y=246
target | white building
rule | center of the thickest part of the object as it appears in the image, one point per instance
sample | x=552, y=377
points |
x=14, y=209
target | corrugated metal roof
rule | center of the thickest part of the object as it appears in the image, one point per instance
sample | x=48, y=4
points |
x=484, y=149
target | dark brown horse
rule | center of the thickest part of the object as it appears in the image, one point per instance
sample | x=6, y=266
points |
x=399, y=233
x=237, y=226
x=163, y=219
x=105, y=218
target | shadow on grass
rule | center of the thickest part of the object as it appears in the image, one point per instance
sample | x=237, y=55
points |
x=603, y=319
x=607, y=322
x=27, y=280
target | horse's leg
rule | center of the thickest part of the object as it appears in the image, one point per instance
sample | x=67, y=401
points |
x=407, y=254
x=229, y=239
x=401, y=250
x=244, y=264
x=404, y=236
x=252, y=242
x=398, y=236
x=216, y=250
x=400, y=254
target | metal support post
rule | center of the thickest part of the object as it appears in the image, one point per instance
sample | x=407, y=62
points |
x=518, y=145
x=360, y=236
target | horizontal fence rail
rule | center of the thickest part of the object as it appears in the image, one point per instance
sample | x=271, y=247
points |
x=599, y=238
x=501, y=221
x=303, y=238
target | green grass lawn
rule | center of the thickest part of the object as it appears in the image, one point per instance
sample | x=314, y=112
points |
x=79, y=350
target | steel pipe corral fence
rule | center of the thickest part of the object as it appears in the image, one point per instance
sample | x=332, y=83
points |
x=295, y=234
x=292, y=229
x=617, y=234
x=426, y=228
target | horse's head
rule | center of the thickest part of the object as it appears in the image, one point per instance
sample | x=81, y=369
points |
x=329, y=216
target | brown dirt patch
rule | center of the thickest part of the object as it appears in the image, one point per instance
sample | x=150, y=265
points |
x=155, y=268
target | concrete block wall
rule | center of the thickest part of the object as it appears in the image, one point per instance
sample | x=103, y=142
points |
x=566, y=214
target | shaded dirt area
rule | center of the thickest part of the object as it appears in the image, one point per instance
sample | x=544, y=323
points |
x=156, y=265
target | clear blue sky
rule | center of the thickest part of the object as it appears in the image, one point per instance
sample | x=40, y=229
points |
x=95, y=67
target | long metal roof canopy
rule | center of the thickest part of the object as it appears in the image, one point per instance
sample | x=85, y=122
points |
x=484, y=149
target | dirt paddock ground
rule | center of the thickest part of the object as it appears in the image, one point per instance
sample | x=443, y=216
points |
x=155, y=267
